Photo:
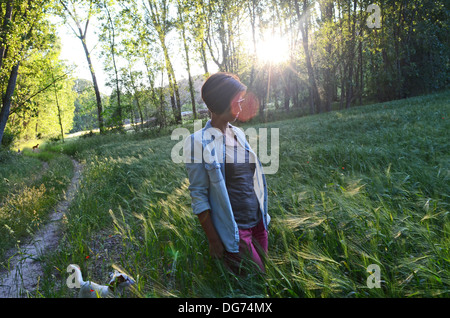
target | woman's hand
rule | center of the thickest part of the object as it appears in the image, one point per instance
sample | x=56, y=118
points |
x=216, y=248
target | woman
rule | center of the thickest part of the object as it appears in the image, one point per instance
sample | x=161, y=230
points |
x=227, y=185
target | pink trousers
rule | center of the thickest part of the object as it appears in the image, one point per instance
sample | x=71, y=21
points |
x=253, y=245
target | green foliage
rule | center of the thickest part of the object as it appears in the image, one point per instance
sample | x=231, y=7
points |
x=85, y=106
x=43, y=84
x=8, y=139
x=139, y=41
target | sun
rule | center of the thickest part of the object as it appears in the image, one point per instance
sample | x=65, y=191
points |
x=272, y=48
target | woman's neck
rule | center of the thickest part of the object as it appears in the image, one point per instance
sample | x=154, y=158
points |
x=219, y=123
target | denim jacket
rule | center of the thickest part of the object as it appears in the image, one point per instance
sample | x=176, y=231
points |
x=204, y=154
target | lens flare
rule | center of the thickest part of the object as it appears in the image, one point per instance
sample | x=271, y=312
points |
x=249, y=107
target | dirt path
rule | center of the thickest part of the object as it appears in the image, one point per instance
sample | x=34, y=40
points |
x=25, y=267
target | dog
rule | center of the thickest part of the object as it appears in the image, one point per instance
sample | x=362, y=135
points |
x=35, y=147
x=118, y=282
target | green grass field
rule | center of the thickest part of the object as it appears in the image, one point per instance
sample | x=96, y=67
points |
x=368, y=185
x=30, y=186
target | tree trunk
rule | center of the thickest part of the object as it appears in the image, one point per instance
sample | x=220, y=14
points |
x=160, y=22
x=59, y=110
x=252, y=14
x=162, y=113
x=361, y=70
x=314, y=93
x=204, y=59
x=138, y=104
x=351, y=55
x=112, y=39
x=6, y=20
x=173, y=88
x=327, y=16
x=287, y=100
x=4, y=113
x=136, y=97
x=188, y=66
x=82, y=36
x=94, y=81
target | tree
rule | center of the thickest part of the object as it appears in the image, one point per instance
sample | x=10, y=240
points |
x=108, y=35
x=351, y=53
x=130, y=82
x=303, y=20
x=196, y=20
x=43, y=100
x=333, y=53
x=252, y=7
x=182, y=10
x=141, y=45
x=23, y=30
x=80, y=31
x=85, y=106
x=327, y=8
x=222, y=20
x=158, y=13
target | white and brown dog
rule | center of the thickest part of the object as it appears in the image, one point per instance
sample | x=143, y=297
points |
x=118, y=282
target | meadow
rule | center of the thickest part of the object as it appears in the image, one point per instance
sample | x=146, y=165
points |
x=367, y=185
x=31, y=184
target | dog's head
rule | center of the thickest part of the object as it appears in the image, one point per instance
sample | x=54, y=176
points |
x=120, y=280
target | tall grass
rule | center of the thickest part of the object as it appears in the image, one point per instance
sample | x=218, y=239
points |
x=357, y=187
x=29, y=189
x=16, y=172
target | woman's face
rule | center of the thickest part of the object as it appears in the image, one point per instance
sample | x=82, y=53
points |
x=232, y=114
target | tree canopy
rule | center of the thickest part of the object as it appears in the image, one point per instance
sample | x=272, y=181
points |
x=300, y=56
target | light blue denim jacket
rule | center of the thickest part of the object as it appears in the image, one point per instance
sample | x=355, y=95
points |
x=204, y=154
